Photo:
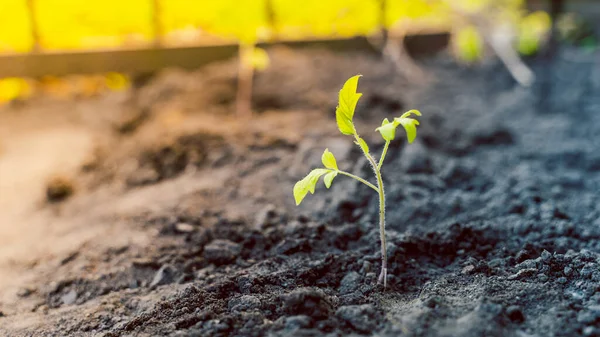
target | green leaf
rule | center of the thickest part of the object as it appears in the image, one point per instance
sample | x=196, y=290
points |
x=344, y=124
x=328, y=178
x=411, y=112
x=307, y=184
x=348, y=98
x=363, y=145
x=329, y=160
x=387, y=130
x=410, y=125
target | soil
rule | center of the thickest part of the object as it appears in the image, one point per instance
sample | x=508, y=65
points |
x=185, y=225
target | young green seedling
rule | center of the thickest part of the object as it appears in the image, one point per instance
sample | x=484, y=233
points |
x=348, y=98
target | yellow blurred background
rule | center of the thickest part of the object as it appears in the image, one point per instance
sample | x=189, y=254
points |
x=72, y=25
x=75, y=25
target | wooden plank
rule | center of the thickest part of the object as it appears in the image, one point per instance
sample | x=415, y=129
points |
x=134, y=61
x=141, y=60
x=154, y=58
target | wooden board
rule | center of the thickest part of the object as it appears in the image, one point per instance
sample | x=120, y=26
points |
x=153, y=59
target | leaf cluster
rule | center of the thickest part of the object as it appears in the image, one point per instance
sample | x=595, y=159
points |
x=344, y=115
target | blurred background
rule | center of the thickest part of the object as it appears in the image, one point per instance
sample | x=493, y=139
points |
x=42, y=42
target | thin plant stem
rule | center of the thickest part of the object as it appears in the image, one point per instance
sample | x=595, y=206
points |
x=383, y=274
x=385, y=149
x=359, y=179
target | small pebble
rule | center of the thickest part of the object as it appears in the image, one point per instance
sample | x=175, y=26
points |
x=311, y=302
x=562, y=280
x=183, y=227
x=244, y=303
x=360, y=317
x=585, y=317
x=165, y=275
x=351, y=282
x=546, y=256
x=467, y=270
x=523, y=273
x=70, y=297
x=298, y=322
x=221, y=252
x=527, y=264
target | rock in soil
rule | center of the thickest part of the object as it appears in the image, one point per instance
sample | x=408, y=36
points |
x=362, y=318
x=165, y=275
x=221, y=251
x=311, y=302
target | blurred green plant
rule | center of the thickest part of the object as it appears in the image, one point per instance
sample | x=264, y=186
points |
x=502, y=25
x=533, y=31
x=344, y=114
x=468, y=44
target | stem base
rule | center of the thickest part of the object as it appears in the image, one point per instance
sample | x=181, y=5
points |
x=383, y=277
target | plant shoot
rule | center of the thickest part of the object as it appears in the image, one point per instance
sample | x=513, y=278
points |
x=348, y=98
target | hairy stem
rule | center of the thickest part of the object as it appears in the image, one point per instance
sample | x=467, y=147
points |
x=376, y=168
x=385, y=149
x=383, y=275
x=359, y=179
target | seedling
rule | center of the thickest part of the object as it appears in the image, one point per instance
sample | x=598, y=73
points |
x=348, y=98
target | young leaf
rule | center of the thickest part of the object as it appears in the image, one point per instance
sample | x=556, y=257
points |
x=363, y=145
x=411, y=112
x=307, y=184
x=348, y=98
x=387, y=130
x=410, y=125
x=329, y=160
x=344, y=124
x=328, y=178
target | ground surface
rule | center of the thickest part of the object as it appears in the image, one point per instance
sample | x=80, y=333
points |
x=182, y=220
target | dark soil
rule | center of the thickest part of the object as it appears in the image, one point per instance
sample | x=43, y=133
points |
x=493, y=213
